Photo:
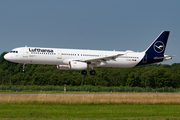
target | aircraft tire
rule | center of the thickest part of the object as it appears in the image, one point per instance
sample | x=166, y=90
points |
x=92, y=72
x=84, y=72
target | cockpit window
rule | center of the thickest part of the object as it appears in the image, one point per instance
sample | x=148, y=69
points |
x=13, y=51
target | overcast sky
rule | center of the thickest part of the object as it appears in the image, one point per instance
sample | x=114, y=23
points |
x=89, y=24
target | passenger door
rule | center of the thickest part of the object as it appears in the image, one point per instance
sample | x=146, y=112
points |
x=25, y=52
x=59, y=54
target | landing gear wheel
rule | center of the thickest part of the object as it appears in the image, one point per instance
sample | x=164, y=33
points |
x=92, y=72
x=84, y=72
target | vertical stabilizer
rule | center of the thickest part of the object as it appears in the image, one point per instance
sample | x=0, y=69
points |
x=155, y=52
x=159, y=44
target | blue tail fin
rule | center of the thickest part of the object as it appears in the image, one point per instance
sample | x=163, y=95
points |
x=155, y=52
x=159, y=44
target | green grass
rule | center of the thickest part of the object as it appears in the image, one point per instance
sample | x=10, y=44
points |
x=89, y=111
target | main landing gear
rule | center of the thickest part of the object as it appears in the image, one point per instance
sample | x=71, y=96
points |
x=92, y=72
x=84, y=72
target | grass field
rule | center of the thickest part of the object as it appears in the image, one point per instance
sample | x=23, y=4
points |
x=89, y=111
x=90, y=106
x=130, y=98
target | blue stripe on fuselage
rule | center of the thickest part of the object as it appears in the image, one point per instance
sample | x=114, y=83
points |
x=149, y=59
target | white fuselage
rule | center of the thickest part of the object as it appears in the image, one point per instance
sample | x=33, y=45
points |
x=55, y=56
x=75, y=59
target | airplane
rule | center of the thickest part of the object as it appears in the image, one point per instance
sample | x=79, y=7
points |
x=77, y=59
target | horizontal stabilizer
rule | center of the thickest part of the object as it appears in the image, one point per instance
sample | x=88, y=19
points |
x=165, y=57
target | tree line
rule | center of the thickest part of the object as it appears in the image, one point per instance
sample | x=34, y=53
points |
x=154, y=76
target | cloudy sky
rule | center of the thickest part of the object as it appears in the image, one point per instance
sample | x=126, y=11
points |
x=89, y=24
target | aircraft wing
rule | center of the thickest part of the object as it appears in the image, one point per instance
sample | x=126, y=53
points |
x=101, y=59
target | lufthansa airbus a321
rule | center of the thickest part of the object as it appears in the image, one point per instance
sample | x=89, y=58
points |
x=76, y=59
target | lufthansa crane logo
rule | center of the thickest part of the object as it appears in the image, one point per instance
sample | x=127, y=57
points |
x=159, y=46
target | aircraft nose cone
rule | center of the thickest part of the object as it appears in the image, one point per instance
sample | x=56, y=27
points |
x=6, y=57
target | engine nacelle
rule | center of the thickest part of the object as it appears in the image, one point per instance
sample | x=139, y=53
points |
x=75, y=65
x=63, y=67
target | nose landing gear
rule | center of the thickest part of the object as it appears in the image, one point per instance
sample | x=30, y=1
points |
x=92, y=72
x=24, y=67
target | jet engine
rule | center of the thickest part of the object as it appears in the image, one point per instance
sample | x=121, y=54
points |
x=73, y=65
x=63, y=67
x=78, y=65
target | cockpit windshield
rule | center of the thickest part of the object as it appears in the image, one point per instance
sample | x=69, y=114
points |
x=13, y=52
